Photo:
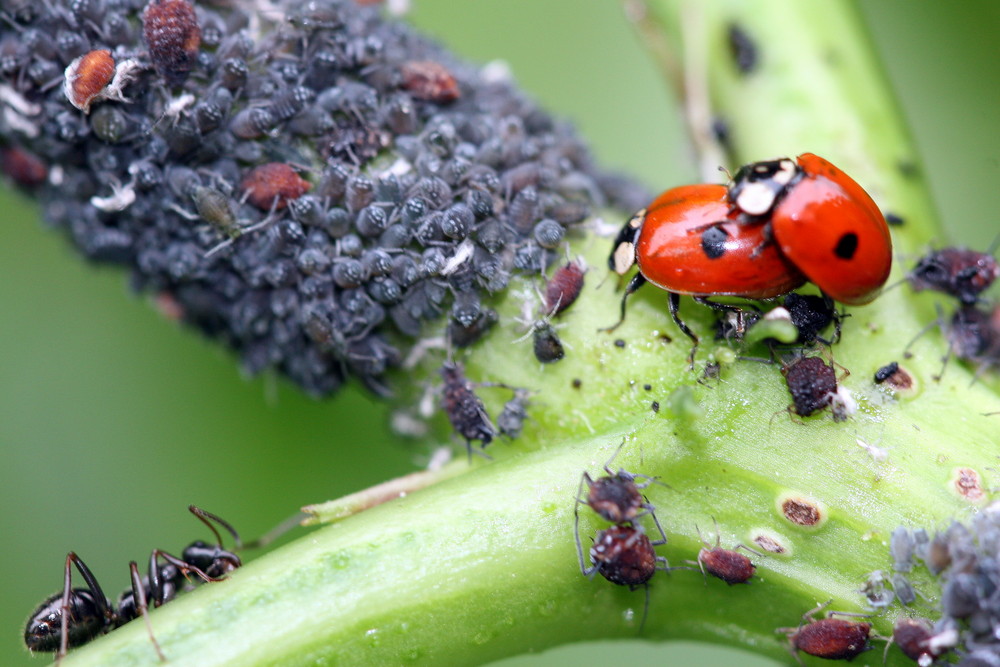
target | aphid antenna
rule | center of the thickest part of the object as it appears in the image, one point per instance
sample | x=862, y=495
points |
x=994, y=244
x=923, y=331
x=276, y=533
x=206, y=517
x=587, y=572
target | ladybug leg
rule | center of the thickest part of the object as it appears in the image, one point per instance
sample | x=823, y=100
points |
x=638, y=280
x=674, y=304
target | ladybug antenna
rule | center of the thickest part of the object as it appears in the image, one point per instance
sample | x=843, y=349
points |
x=729, y=176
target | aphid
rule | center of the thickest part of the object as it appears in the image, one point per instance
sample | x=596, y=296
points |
x=510, y=421
x=24, y=168
x=616, y=496
x=216, y=209
x=726, y=564
x=170, y=28
x=462, y=336
x=430, y=81
x=812, y=383
x=742, y=48
x=271, y=186
x=86, y=78
x=828, y=638
x=875, y=590
x=464, y=408
x=252, y=123
x=76, y=616
x=624, y=555
x=564, y=287
x=958, y=272
x=901, y=547
x=913, y=636
x=547, y=346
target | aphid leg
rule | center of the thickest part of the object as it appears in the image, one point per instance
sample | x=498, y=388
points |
x=140, y=602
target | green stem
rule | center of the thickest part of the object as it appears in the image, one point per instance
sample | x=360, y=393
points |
x=483, y=565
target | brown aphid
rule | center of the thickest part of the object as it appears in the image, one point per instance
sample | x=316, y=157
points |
x=812, y=383
x=272, y=185
x=170, y=28
x=913, y=636
x=24, y=168
x=87, y=77
x=430, y=81
x=726, y=564
x=829, y=638
x=615, y=496
x=464, y=408
x=563, y=288
x=623, y=555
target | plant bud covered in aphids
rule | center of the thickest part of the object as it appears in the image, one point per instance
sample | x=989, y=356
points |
x=209, y=126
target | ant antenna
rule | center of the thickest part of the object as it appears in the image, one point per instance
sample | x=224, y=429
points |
x=204, y=517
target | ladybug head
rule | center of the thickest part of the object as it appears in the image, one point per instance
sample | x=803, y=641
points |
x=758, y=186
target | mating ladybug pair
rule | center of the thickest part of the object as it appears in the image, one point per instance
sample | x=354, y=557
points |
x=776, y=225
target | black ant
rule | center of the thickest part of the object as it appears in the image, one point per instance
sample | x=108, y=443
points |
x=76, y=616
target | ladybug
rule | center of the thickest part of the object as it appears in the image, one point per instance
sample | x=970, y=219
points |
x=821, y=220
x=690, y=241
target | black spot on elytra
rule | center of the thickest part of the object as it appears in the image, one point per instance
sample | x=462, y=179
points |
x=847, y=246
x=713, y=242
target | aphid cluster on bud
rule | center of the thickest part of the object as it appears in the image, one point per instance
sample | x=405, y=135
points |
x=305, y=194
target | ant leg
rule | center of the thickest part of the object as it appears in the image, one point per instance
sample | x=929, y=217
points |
x=103, y=607
x=204, y=516
x=140, y=602
x=674, y=304
x=182, y=565
x=638, y=280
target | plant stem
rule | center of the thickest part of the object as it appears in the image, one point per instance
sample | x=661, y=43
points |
x=483, y=565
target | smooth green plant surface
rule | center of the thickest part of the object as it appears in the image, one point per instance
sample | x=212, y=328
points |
x=680, y=522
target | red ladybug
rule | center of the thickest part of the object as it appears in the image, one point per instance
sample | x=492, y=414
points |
x=822, y=221
x=689, y=241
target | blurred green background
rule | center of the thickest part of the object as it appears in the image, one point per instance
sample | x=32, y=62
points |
x=113, y=420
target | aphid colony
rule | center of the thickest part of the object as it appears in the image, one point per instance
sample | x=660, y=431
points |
x=311, y=193
x=963, y=559
x=75, y=616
